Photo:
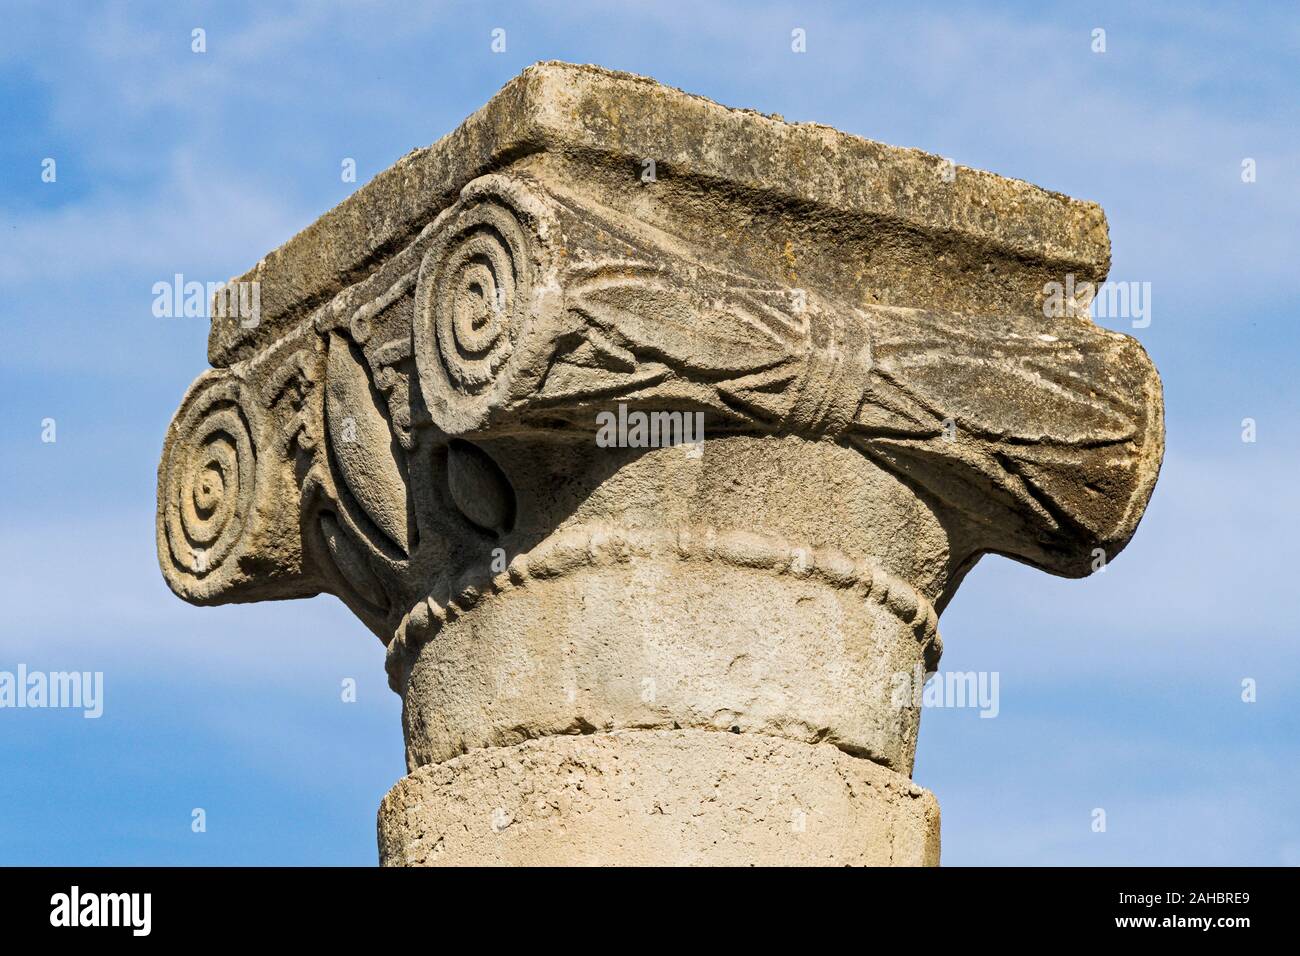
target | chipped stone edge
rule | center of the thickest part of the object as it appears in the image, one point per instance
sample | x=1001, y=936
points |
x=537, y=111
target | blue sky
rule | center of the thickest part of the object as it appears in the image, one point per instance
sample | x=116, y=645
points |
x=1122, y=691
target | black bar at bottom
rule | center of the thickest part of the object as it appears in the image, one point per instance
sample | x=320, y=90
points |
x=212, y=905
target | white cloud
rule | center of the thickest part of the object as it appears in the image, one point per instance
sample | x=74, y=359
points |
x=193, y=217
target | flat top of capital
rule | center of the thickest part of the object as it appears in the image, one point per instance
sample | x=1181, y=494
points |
x=608, y=125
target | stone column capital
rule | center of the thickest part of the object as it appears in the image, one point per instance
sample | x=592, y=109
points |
x=463, y=407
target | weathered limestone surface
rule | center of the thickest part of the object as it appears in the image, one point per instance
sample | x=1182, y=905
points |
x=657, y=652
x=659, y=798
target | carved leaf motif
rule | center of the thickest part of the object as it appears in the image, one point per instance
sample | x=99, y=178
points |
x=1055, y=422
x=1016, y=378
x=370, y=462
x=664, y=324
x=352, y=563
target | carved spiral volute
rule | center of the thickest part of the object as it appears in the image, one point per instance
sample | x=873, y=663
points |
x=475, y=299
x=207, y=487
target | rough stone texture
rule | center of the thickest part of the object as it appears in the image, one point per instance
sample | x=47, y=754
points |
x=877, y=217
x=656, y=798
x=878, y=397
